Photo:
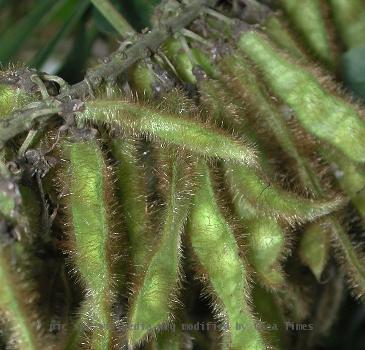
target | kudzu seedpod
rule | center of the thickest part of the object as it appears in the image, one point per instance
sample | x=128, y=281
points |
x=167, y=127
x=132, y=189
x=265, y=249
x=351, y=258
x=180, y=59
x=349, y=16
x=18, y=303
x=202, y=60
x=248, y=185
x=246, y=84
x=141, y=78
x=350, y=177
x=89, y=211
x=154, y=294
x=307, y=17
x=212, y=236
x=12, y=97
x=328, y=117
x=282, y=37
x=173, y=339
x=314, y=247
x=268, y=310
x=267, y=233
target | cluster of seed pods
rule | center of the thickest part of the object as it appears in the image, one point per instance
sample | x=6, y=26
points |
x=253, y=162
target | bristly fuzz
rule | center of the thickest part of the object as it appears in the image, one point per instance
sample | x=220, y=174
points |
x=90, y=215
x=187, y=133
x=153, y=295
x=323, y=114
x=214, y=244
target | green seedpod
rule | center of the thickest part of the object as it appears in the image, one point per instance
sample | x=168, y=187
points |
x=132, y=189
x=263, y=232
x=171, y=128
x=249, y=185
x=202, y=60
x=268, y=310
x=89, y=207
x=258, y=226
x=31, y=210
x=278, y=32
x=174, y=339
x=12, y=98
x=350, y=176
x=266, y=247
x=314, y=247
x=351, y=258
x=141, y=78
x=18, y=302
x=242, y=81
x=154, y=293
x=349, y=16
x=214, y=245
x=330, y=118
x=307, y=17
x=180, y=59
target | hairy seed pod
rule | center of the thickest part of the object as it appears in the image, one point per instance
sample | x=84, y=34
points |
x=350, y=19
x=154, y=294
x=264, y=234
x=168, y=127
x=314, y=247
x=180, y=59
x=247, y=185
x=307, y=17
x=12, y=98
x=266, y=245
x=133, y=192
x=347, y=253
x=211, y=236
x=246, y=84
x=141, y=78
x=268, y=310
x=204, y=62
x=350, y=176
x=328, y=117
x=282, y=37
x=89, y=210
x=173, y=339
x=351, y=258
x=18, y=302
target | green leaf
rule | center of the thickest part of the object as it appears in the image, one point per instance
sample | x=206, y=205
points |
x=71, y=15
x=137, y=12
x=353, y=70
x=15, y=37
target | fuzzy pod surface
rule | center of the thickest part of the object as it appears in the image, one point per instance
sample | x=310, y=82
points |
x=180, y=60
x=247, y=185
x=154, y=294
x=170, y=128
x=314, y=247
x=328, y=117
x=350, y=19
x=17, y=306
x=211, y=236
x=91, y=232
x=12, y=98
x=307, y=17
x=132, y=189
